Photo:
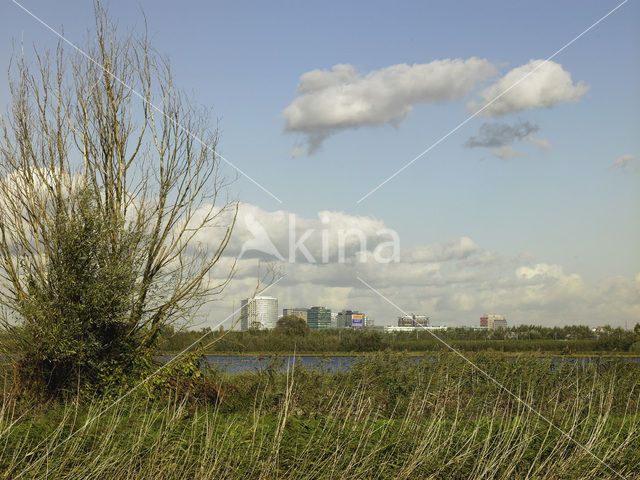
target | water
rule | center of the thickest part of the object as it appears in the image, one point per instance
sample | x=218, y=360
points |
x=256, y=363
x=338, y=363
x=335, y=363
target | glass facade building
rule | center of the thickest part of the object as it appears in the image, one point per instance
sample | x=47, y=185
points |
x=296, y=312
x=259, y=313
x=319, y=317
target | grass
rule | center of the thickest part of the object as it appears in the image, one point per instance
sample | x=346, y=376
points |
x=386, y=418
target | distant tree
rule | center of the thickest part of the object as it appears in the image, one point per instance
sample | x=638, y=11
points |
x=636, y=329
x=292, y=325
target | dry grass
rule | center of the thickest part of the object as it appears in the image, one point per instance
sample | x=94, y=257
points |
x=443, y=426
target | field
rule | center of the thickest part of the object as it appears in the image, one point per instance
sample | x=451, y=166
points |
x=388, y=417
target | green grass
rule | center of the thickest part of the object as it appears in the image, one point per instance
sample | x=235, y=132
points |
x=386, y=418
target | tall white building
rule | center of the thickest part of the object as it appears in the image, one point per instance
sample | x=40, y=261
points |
x=259, y=312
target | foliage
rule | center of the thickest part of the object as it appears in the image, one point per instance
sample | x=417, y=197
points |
x=75, y=316
x=558, y=340
x=292, y=325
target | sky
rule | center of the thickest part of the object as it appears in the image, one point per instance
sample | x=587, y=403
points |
x=524, y=200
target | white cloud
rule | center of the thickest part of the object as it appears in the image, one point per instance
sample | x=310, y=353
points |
x=451, y=250
x=624, y=161
x=262, y=234
x=343, y=98
x=505, y=152
x=540, y=270
x=453, y=281
x=536, y=84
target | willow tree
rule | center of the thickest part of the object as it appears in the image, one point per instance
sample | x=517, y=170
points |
x=108, y=183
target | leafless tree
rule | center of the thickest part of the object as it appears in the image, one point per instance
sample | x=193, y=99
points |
x=110, y=120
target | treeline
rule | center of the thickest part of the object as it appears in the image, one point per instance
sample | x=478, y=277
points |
x=559, y=340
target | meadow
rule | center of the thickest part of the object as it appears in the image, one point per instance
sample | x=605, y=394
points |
x=388, y=417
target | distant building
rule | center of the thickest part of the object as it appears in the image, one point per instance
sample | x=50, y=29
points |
x=493, y=321
x=351, y=319
x=259, y=313
x=413, y=320
x=392, y=328
x=319, y=317
x=295, y=312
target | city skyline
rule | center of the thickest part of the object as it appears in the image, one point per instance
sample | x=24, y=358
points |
x=530, y=207
x=343, y=317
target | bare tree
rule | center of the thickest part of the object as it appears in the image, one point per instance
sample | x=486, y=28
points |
x=107, y=135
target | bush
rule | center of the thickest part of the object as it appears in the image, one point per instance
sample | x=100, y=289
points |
x=75, y=330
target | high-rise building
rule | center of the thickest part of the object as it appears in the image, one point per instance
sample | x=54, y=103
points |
x=351, y=318
x=500, y=322
x=295, y=312
x=413, y=320
x=259, y=313
x=319, y=317
x=493, y=321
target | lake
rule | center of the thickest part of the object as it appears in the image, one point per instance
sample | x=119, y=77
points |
x=339, y=363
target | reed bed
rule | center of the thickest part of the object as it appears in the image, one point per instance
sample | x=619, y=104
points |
x=387, y=418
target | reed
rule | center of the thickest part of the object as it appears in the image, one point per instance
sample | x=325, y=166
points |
x=387, y=418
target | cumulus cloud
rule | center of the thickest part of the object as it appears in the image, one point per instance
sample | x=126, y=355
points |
x=453, y=281
x=536, y=84
x=283, y=235
x=501, y=136
x=342, y=98
x=498, y=134
x=540, y=270
x=624, y=161
x=458, y=249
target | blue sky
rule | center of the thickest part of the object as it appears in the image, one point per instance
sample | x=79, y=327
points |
x=561, y=206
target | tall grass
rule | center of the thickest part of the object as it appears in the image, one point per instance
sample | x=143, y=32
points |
x=387, y=418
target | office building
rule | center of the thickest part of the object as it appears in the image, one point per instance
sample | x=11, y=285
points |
x=295, y=312
x=319, y=317
x=493, y=321
x=393, y=329
x=259, y=313
x=413, y=320
x=351, y=319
